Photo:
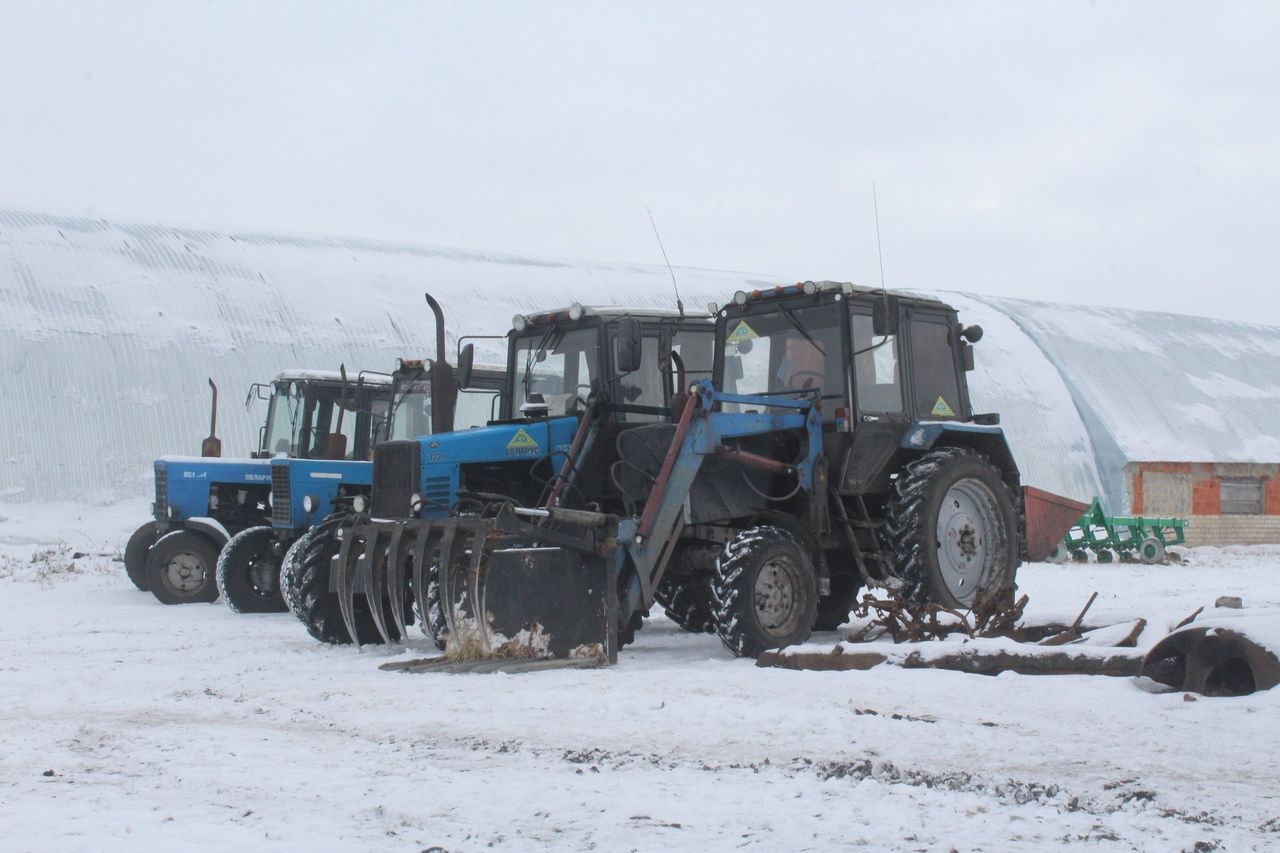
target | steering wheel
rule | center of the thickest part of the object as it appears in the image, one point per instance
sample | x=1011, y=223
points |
x=810, y=373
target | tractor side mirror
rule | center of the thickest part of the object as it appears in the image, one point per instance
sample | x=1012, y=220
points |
x=972, y=334
x=466, y=361
x=629, y=345
x=884, y=316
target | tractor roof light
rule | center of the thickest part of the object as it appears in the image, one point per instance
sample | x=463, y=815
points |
x=519, y=322
x=740, y=297
x=575, y=312
x=810, y=288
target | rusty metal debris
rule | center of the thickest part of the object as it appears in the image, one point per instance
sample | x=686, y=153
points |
x=906, y=621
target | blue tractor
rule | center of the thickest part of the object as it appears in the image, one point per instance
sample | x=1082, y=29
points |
x=202, y=502
x=305, y=491
x=833, y=447
x=570, y=373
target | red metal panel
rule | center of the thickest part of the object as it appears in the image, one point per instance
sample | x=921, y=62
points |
x=1049, y=517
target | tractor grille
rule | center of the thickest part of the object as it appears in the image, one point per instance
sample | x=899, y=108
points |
x=396, y=469
x=281, y=496
x=162, y=493
x=435, y=493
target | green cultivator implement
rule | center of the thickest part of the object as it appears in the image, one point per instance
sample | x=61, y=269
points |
x=1123, y=537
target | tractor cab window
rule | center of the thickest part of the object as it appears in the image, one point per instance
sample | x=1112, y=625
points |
x=642, y=387
x=785, y=351
x=284, y=416
x=324, y=408
x=934, y=371
x=695, y=350
x=561, y=365
x=475, y=408
x=411, y=412
x=876, y=377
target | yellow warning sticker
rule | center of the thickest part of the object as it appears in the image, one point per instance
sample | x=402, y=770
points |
x=522, y=442
x=942, y=410
x=742, y=332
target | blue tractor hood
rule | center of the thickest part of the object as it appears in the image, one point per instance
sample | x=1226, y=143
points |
x=183, y=483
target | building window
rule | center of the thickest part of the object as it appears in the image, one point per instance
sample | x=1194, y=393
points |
x=1242, y=497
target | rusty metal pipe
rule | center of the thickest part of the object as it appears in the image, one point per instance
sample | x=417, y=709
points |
x=755, y=460
x=668, y=463
x=579, y=439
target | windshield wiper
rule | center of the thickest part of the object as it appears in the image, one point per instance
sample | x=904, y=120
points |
x=533, y=357
x=795, y=321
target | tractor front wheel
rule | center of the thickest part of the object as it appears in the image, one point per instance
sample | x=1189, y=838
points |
x=317, y=607
x=954, y=529
x=135, y=554
x=249, y=572
x=765, y=591
x=181, y=568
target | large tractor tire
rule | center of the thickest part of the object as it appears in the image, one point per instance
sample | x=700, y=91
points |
x=249, y=572
x=689, y=602
x=685, y=593
x=954, y=530
x=765, y=591
x=135, y=554
x=289, y=575
x=317, y=607
x=181, y=568
x=834, y=608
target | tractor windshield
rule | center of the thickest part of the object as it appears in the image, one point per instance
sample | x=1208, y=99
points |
x=411, y=411
x=561, y=365
x=784, y=350
x=283, y=417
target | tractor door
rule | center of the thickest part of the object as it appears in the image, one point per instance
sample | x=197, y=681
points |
x=879, y=419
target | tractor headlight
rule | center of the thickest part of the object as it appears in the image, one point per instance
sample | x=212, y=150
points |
x=415, y=503
x=359, y=503
x=213, y=500
x=309, y=503
x=271, y=500
x=169, y=511
x=518, y=322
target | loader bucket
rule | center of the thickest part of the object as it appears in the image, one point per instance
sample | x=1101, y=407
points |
x=1049, y=517
x=504, y=595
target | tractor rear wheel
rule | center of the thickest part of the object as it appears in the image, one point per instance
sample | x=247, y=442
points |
x=181, y=568
x=953, y=528
x=765, y=591
x=317, y=607
x=249, y=572
x=135, y=554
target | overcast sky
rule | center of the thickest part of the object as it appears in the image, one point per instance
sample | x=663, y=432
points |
x=1119, y=153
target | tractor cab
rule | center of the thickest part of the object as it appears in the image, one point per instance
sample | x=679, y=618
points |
x=308, y=410
x=410, y=414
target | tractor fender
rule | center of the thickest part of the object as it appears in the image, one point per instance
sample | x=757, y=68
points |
x=210, y=528
x=990, y=441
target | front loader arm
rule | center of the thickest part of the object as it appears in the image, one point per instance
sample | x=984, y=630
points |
x=647, y=543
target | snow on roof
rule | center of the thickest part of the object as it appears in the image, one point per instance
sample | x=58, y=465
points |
x=109, y=331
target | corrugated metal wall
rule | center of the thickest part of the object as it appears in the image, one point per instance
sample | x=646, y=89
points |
x=109, y=330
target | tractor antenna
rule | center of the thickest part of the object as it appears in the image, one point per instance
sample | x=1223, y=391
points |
x=875, y=202
x=676, y=287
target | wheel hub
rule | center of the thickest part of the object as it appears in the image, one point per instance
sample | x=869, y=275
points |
x=185, y=572
x=775, y=595
x=965, y=520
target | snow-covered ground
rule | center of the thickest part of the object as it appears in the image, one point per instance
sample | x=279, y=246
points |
x=125, y=724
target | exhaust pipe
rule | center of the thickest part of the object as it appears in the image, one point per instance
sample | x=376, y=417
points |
x=444, y=385
x=212, y=446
